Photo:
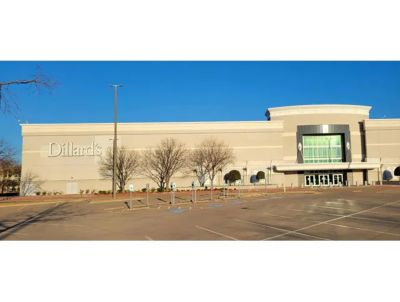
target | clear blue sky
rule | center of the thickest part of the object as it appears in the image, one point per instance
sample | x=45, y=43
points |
x=195, y=91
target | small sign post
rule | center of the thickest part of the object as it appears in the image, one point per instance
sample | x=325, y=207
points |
x=173, y=189
x=225, y=191
x=193, y=192
x=131, y=189
x=147, y=194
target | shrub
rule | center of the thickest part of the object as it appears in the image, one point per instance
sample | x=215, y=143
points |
x=87, y=191
x=254, y=179
x=232, y=176
x=153, y=190
x=260, y=175
x=387, y=175
x=144, y=190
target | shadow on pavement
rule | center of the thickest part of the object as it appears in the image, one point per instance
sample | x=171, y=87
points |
x=56, y=213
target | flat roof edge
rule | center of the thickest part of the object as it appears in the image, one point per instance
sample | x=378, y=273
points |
x=95, y=128
x=318, y=109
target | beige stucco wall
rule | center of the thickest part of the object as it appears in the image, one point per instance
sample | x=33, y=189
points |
x=383, y=145
x=257, y=145
x=293, y=116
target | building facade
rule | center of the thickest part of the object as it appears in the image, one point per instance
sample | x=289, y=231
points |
x=311, y=145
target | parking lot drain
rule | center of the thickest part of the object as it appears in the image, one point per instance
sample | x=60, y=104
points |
x=176, y=210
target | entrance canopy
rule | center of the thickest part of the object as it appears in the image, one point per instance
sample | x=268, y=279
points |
x=326, y=166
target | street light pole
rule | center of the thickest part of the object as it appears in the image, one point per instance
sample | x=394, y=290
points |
x=114, y=177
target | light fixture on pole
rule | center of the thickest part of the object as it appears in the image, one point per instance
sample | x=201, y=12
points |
x=114, y=178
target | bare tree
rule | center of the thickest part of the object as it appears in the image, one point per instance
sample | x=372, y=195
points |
x=6, y=151
x=212, y=155
x=200, y=173
x=162, y=162
x=128, y=162
x=195, y=164
x=10, y=172
x=9, y=169
x=29, y=184
x=37, y=81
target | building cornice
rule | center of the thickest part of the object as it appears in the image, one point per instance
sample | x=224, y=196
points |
x=326, y=166
x=381, y=124
x=317, y=110
x=151, y=128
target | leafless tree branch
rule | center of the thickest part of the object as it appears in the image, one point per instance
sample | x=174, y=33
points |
x=211, y=156
x=162, y=162
x=37, y=81
x=9, y=169
x=128, y=162
x=30, y=184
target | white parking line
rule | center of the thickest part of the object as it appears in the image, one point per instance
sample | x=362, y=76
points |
x=362, y=229
x=273, y=215
x=330, y=220
x=325, y=207
x=391, y=213
x=110, y=209
x=334, y=202
x=217, y=233
x=309, y=212
x=375, y=219
x=280, y=229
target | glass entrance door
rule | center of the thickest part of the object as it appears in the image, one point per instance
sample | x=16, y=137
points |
x=338, y=179
x=310, y=180
x=307, y=180
x=323, y=179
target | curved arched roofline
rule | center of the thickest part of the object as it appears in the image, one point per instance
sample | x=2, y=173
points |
x=318, y=109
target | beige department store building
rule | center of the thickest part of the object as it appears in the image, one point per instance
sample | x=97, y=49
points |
x=312, y=145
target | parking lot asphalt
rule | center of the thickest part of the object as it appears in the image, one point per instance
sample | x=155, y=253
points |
x=371, y=213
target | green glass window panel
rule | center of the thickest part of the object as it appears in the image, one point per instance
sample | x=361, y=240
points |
x=322, y=148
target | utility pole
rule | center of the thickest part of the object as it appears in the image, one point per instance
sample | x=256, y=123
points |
x=114, y=178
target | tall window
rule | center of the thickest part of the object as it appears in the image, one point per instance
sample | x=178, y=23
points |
x=322, y=149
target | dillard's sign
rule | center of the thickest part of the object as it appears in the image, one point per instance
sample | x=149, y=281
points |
x=71, y=150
